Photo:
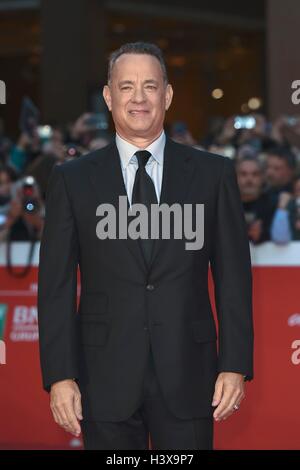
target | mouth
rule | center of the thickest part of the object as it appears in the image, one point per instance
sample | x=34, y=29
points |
x=138, y=112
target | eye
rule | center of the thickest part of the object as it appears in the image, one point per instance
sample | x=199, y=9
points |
x=151, y=87
x=125, y=88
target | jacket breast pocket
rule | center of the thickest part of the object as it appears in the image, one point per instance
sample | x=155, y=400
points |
x=93, y=303
x=203, y=332
x=92, y=331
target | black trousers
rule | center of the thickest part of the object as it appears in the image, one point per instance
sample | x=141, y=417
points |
x=152, y=418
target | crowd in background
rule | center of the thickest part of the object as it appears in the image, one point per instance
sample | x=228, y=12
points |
x=266, y=156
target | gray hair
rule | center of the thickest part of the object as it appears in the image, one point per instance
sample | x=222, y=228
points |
x=137, y=48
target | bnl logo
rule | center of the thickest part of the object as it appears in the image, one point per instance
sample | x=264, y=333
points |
x=2, y=92
x=2, y=352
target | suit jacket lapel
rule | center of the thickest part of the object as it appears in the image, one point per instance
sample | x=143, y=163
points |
x=178, y=172
x=107, y=179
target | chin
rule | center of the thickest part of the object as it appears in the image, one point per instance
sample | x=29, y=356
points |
x=141, y=129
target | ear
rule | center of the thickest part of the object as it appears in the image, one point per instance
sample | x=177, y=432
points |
x=107, y=96
x=169, y=96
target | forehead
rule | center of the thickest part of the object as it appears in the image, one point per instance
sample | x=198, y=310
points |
x=131, y=66
x=276, y=160
x=249, y=166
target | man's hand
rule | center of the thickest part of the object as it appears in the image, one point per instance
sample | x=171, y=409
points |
x=65, y=403
x=255, y=230
x=229, y=391
x=284, y=199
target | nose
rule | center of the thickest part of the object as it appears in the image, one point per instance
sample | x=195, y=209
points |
x=138, y=95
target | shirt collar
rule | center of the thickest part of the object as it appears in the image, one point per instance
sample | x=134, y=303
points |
x=127, y=150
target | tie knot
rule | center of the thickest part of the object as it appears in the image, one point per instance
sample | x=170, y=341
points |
x=142, y=157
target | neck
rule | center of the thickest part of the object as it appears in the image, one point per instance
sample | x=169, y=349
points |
x=249, y=197
x=138, y=141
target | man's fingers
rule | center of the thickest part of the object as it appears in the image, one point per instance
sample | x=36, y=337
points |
x=230, y=402
x=56, y=414
x=230, y=388
x=234, y=397
x=226, y=397
x=230, y=409
x=61, y=415
x=77, y=406
x=236, y=401
x=64, y=418
x=218, y=393
x=65, y=404
x=72, y=420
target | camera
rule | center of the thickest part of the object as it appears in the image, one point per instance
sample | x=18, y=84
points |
x=291, y=121
x=45, y=132
x=71, y=151
x=244, y=122
x=96, y=122
x=29, y=201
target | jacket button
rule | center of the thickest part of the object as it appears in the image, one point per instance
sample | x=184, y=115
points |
x=149, y=286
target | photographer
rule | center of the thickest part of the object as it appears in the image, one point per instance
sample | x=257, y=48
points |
x=286, y=222
x=25, y=218
x=7, y=176
x=258, y=208
x=280, y=172
x=27, y=148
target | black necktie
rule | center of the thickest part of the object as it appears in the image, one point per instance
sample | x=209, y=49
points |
x=144, y=193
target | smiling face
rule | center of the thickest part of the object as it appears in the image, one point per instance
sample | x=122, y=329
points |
x=138, y=96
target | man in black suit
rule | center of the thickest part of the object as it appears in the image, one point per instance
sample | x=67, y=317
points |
x=140, y=356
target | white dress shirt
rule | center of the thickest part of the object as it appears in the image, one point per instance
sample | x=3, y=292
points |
x=129, y=163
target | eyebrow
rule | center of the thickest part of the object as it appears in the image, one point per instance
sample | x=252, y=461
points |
x=146, y=82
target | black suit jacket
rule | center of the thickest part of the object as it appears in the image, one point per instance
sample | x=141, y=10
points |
x=125, y=306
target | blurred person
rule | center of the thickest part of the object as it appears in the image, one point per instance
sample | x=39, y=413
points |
x=286, y=222
x=25, y=217
x=294, y=210
x=27, y=148
x=98, y=143
x=5, y=146
x=85, y=129
x=179, y=133
x=280, y=172
x=215, y=127
x=53, y=153
x=57, y=151
x=226, y=150
x=227, y=134
x=245, y=151
x=57, y=137
x=142, y=320
x=40, y=169
x=54, y=144
x=257, y=136
x=258, y=207
x=286, y=130
x=277, y=130
x=7, y=177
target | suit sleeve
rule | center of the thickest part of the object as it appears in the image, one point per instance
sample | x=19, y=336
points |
x=231, y=269
x=57, y=286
